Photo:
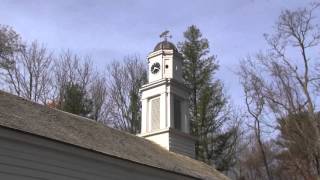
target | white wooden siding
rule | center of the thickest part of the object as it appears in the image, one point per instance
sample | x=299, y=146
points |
x=182, y=145
x=28, y=157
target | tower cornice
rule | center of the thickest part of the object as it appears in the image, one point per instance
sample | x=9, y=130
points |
x=163, y=52
x=165, y=81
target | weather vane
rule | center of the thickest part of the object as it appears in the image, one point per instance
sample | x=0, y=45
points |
x=165, y=35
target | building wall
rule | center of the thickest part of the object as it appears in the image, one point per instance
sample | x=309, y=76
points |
x=167, y=92
x=182, y=144
x=173, y=140
x=160, y=137
x=170, y=65
x=28, y=157
x=159, y=75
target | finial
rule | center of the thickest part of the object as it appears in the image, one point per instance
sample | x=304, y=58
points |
x=165, y=35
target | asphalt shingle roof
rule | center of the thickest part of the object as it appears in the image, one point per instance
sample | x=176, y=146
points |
x=23, y=115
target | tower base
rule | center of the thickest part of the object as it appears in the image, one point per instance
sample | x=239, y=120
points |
x=173, y=140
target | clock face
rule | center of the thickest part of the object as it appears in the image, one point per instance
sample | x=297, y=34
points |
x=155, y=68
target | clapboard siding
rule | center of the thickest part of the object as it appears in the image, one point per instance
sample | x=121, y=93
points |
x=182, y=145
x=25, y=157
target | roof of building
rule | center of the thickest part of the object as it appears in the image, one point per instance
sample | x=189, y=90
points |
x=165, y=45
x=23, y=115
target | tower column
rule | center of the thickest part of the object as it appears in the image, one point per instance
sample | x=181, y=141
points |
x=144, y=116
x=169, y=112
x=163, y=110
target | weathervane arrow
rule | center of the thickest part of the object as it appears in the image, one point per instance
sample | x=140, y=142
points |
x=165, y=35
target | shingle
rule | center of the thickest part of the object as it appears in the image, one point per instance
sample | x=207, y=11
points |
x=20, y=114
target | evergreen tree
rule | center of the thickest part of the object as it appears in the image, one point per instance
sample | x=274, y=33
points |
x=75, y=101
x=207, y=103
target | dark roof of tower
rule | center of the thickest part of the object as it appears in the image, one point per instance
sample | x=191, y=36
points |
x=165, y=45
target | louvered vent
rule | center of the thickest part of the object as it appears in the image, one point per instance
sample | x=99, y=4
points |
x=155, y=114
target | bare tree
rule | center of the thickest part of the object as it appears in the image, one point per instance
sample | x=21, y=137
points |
x=71, y=68
x=29, y=75
x=296, y=74
x=251, y=164
x=124, y=82
x=255, y=102
x=78, y=71
x=283, y=81
x=98, y=93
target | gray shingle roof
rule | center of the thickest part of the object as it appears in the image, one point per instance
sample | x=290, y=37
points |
x=23, y=115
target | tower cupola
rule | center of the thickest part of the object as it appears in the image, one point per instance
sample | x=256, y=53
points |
x=165, y=45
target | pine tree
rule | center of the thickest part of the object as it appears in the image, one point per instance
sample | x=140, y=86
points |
x=75, y=101
x=207, y=103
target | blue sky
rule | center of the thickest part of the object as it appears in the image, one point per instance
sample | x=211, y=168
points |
x=109, y=30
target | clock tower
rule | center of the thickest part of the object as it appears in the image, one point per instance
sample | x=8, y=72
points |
x=165, y=101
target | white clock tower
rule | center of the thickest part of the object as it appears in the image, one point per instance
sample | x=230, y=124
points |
x=164, y=102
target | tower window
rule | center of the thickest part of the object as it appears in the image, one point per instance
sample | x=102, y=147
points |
x=177, y=114
x=155, y=114
x=167, y=66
